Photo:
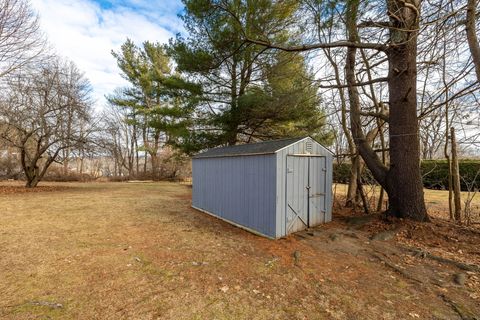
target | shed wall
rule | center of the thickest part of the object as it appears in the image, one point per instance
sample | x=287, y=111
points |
x=281, y=168
x=239, y=189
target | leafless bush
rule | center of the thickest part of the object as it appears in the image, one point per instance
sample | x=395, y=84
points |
x=56, y=173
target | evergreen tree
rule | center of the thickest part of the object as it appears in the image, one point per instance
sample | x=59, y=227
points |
x=155, y=97
x=246, y=95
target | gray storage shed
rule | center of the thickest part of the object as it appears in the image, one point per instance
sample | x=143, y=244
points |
x=271, y=188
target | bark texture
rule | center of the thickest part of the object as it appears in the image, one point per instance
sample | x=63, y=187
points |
x=472, y=35
x=455, y=176
x=403, y=180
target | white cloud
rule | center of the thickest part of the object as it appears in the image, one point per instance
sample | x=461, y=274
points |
x=86, y=33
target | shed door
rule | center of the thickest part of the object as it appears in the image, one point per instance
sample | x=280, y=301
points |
x=297, y=195
x=317, y=191
x=306, y=178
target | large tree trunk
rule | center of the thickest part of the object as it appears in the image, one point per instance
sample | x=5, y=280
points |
x=31, y=170
x=31, y=174
x=404, y=181
x=32, y=182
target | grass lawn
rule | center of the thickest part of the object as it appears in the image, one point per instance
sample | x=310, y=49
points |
x=138, y=251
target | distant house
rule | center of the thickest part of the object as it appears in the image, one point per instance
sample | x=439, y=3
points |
x=271, y=188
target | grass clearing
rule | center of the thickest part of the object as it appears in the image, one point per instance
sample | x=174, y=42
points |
x=138, y=251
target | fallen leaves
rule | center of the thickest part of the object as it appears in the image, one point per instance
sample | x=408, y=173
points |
x=22, y=190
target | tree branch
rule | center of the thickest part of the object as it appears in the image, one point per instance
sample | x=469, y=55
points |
x=307, y=47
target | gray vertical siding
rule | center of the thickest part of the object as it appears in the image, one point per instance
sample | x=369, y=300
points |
x=239, y=189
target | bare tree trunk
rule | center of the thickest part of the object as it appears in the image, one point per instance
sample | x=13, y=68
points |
x=366, y=206
x=352, y=190
x=135, y=141
x=145, y=145
x=66, y=160
x=33, y=182
x=115, y=166
x=371, y=159
x=450, y=190
x=154, y=155
x=456, y=179
x=352, y=182
x=82, y=162
x=380, y=109
x=130, y=155
x=33, y=172
x=472, y=35
x=445, y=149
x=154, y=162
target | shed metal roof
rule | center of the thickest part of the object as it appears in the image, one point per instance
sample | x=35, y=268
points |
x=264, y=147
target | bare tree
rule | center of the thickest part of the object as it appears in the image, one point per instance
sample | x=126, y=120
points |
x=20, y=38
x=119, y=140
x=43, y=111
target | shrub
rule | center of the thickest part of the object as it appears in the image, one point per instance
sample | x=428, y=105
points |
x=56, y=173
x=434, y=173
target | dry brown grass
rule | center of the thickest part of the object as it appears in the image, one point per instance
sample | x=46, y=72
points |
x=138, y=251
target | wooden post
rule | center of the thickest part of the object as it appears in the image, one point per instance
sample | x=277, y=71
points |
x=450, y=189
x=456, y=179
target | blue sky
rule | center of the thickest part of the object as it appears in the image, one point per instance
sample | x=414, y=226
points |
x=85, y=31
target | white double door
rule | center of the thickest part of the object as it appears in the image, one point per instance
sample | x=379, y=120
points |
x=306, y=191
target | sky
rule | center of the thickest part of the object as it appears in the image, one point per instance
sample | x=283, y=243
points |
x=86, y=31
